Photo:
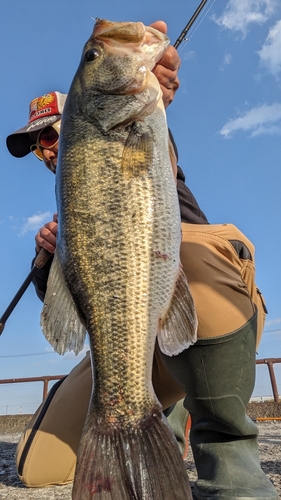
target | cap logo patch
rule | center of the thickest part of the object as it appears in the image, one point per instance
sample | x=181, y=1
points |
x=45, y=105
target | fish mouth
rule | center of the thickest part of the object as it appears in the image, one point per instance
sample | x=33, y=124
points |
x=121, y=32
x=129, y=50
x=132, y=34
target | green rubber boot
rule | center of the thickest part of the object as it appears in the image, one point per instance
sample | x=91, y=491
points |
x=178, y=422
x=218, y=375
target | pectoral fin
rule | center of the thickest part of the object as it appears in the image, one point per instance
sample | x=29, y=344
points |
x=138, y=151
x=178, y=329
x=60, y=322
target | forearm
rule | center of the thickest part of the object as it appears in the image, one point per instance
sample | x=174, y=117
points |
x=41, y=278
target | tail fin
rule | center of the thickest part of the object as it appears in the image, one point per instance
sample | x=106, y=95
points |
x=131, y=463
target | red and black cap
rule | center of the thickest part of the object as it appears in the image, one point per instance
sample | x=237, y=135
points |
x=43, y=111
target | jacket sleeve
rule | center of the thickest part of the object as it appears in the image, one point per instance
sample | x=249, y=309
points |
x=41, y=278
x=189, y=208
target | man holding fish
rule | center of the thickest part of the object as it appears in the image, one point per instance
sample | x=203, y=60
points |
x=127, y=282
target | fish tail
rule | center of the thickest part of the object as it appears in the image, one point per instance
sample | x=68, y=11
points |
x=130, y=463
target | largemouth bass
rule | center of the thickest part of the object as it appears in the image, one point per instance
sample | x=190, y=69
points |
x=116, y=271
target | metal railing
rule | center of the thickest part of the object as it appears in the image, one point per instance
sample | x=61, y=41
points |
x=270, y=362
x=47, y=378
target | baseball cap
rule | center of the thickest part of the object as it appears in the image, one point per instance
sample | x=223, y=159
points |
x=43, y=111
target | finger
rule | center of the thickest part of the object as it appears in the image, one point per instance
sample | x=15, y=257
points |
x=48, y=236
x=170, y=59
x=50, y=226
x=45, y=243
x=166, y=77
x=169, y=83
x=169, y=94
x=160, y=26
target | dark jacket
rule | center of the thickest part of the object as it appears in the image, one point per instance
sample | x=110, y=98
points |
x=189, y=208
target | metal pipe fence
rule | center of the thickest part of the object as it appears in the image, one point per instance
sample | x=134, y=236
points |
x=47, y=378
x=270, y=362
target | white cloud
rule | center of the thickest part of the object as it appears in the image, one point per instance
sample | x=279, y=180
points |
x=273, y=322
x=239, y=14
x=265, y=119
x=270, y=54
x=34, y=222
x=226, y=61
x=189, y=54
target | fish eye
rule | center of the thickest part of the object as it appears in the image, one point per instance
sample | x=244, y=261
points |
x=91, y=54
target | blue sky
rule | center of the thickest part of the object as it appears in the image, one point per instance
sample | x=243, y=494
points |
x=226, y=119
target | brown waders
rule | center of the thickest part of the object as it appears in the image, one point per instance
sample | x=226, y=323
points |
x=218, y=372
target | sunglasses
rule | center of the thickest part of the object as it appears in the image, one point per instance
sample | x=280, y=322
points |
x=47, y=138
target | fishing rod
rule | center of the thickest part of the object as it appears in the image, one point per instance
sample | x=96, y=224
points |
x=193, y=18
x=44, y=255
x=39, y=262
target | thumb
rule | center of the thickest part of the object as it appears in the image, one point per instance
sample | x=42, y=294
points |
x=160, y=26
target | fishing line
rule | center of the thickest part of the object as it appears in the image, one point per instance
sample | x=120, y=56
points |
x=196, y=25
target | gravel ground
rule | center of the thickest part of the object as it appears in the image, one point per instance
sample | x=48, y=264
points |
x=12, y=489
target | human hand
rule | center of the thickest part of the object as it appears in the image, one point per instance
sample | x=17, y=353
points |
x=47, y=235
x=166, y=70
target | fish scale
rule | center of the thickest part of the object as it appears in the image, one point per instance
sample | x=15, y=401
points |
x=118, y=258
